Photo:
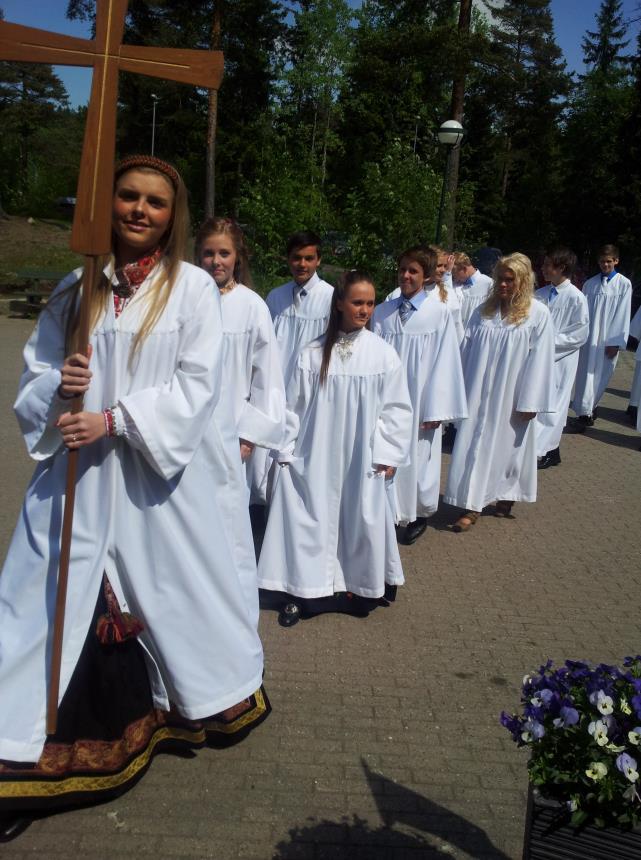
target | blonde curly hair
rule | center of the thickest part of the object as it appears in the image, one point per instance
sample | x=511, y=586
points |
x=521, y=300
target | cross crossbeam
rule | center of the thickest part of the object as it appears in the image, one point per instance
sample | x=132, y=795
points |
x=91, y=233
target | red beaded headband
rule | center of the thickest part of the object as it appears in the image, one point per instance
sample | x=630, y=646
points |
x=133, y=161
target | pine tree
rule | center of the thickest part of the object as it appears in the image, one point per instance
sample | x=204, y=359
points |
x=525, y=81
x=602, y=48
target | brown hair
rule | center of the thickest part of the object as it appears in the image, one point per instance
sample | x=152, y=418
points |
x=226, y=227
x=522, y=296
x=173, y=245
x=609, y=251
x=562, y=258
x=427, y=258
x=356, y=276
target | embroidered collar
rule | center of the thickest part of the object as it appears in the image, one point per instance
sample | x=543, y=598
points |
x=130, y=276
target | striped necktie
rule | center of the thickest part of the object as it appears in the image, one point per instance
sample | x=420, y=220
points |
x=405, y=310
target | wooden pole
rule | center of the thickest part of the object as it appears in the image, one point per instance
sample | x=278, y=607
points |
x=88, y=281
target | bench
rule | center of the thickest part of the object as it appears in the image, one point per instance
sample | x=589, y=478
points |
x=35, y=294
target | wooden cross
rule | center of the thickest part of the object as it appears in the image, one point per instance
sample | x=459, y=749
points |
x=91, y=232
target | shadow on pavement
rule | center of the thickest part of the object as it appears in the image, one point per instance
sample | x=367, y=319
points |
x=615, y=416
x=621, y=440
x=435, y=831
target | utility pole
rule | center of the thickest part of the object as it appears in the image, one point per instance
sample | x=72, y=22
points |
x=456, y=112
x=212, y=122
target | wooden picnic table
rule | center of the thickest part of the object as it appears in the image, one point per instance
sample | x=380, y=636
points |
x=38, y=286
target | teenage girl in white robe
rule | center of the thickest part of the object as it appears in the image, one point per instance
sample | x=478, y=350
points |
x=251, y=358
x=508, y=365
x=330, y=542
x=424, y=336
x=160, y=518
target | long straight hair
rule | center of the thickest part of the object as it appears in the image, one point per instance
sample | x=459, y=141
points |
x=173, y=245
x=356, y=276
x=226, y=227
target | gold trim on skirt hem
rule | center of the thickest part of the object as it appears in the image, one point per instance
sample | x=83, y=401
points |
x=111, y=761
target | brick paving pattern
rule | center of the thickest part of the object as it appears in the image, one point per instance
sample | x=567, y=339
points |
x=384, y=742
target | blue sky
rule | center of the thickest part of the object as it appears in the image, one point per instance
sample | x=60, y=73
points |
x=571, y=19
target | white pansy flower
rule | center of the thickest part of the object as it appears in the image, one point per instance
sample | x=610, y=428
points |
x=599, y=732
x=596, y=771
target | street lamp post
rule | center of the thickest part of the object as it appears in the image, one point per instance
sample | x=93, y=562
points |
x=450, y=134
x=153, y=122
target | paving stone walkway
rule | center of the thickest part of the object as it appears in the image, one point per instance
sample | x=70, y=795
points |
x=384, y=742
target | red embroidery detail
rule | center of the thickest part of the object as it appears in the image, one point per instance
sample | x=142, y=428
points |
x=130, y=277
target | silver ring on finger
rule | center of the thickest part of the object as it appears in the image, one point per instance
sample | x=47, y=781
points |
x=73, y=438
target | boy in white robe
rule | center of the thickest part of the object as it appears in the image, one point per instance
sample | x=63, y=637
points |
x=569, y=312
x=609, y=297
x=300, y=308
x=300, y=311
x=471, y=286
x=423, y=335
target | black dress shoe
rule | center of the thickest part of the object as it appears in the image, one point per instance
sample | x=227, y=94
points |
x=578, y=425
x=414, y=530
x=12, y=825
x=289, y=615
x=552, y=458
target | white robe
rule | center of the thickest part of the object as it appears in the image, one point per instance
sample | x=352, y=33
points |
x=331, y=522
x=507, y=368
x=569, y=314
x=253, y=373
x=434, y=295
x=165, y=521
x=609, y=309
x=635, y=388
x=295, y=328
x=428, y=347
x=472, y=296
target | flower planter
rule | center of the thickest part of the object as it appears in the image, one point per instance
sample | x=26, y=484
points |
x=549, y=836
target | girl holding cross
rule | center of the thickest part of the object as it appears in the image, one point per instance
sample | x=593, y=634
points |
x=160, y=646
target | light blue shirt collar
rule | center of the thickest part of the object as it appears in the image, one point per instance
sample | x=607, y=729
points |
x=416, y=300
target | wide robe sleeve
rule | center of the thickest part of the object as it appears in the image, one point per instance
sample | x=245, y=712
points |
x=535, y=389
x=619, y=324
x=573, y=335
x=262, y=420
x=393, y=432
x=173, y=419
x=444, y=392
x=38, y=406
x=298, y=397
x=635, y=325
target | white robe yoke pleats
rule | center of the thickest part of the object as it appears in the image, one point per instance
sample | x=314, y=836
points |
x=163, y=521
x=507, y=368
x=428, y=347
x=471, y=297
x=434, y=295
x=569, y=314
x=296, y=327
x=609, y=309
x=331, y=522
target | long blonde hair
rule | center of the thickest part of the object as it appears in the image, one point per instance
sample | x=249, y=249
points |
x=174, y=248
x=521, y=300
x=438, y=252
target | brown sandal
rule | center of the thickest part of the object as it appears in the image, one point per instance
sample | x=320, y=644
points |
x=503, y=509
x=466, y=521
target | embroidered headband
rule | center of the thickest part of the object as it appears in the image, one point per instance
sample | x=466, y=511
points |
x=133, y=161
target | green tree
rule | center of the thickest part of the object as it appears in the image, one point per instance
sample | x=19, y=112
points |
x=602, y=48
x=32, y=100
x=523, y=83
x=592, y=149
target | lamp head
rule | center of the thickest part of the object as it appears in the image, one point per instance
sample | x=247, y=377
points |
x=450, y=133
